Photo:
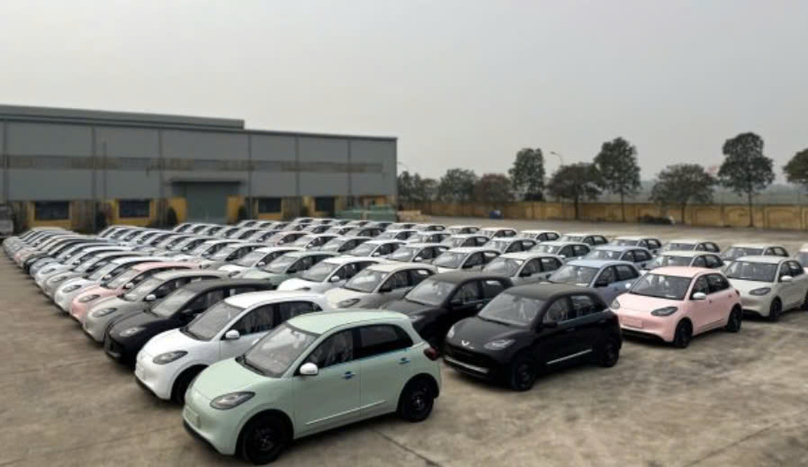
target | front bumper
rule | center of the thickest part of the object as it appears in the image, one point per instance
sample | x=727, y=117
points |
x=647, y=325
x=218, y=428
x=121, y=353
x=757, y=304
x=159, y=379
x=472, y=363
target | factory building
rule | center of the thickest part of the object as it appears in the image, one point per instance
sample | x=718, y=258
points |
x=65, y=166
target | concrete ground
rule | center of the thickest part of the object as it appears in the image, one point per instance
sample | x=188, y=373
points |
x=729, y=399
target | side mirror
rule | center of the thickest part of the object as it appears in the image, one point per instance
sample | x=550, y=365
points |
x=232, y=335
x=628, y=285
x=376, y=254
x=786, y=279
x=309, y=369
x=456, y=301
x=699, y=296
x=601, y=284
x=150, y=298
x=385, y=288
x=334, y=279
x=525, y=273
x=417, y=259
x=128, y=285
x=260, y=264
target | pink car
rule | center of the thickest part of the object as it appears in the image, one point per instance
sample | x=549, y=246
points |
x=136, y=274
x=676, y=303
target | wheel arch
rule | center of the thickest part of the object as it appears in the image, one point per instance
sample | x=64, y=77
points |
x=287, y=421
x=433, y=383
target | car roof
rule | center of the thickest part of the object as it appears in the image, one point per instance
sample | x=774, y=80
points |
x=687, y=253
x=345, y=259
x=422, y=245
x=202, y=286
x=527, y=255
x=132, y=259
x=681, y=271
x=751, y=245
x=510, y=239
x=319, y=323
x=398, y=266
x=687, y=240
x=457, y=277
x=304, y=253
x=596, y=263
x=467, y=235
x=618, y=247
x=246, y=300
x=472, y=249
x=548, y=291
x=383, y=242
x=160, y=264
x=763, y=259
x=559, y=243
x=270, y=249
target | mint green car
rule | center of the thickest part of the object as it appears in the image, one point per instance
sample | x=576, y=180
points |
x=311, y=374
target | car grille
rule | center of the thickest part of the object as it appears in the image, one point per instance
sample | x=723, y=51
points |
x=469, y=358
x=112, y=348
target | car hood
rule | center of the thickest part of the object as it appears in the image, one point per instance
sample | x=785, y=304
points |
x=80, y=281
x=408, y=308
x=225, y=377
x=335, y=296
x=442, y=269
x=144, y=319
x=474, y=333
x=259, y=274
x=644, y=304
x=171, y=341
x=232, y=267
x=298, y=284
x=744, y=287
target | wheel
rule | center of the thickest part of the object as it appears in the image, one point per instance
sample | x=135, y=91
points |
x=416, y=401
x=263, y=439
x=609, y=353
x=775, y=310
x=182, y=384
x=805, y=303
x=522, y=373
x=684, y=332
x=734, y=321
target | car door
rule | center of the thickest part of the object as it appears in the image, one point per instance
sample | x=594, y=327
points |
x=530, y=272
x=606, y=284
x=800, y=280
x=549, y=266
x=713, y=261
x=788, y=291
x=251, y=327
x=580, y=250
x=700, y=309
x=721, y=300
x=386, y=355
x=587, y=316
x=332, y=397
x=473, y=262
x=626, y=275
x=466, y=301
x=557, y=340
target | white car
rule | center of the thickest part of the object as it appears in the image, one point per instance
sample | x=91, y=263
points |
x=376, y=248
x=633, y=254
x=752, y=249
x=652, y=244
x=257, y=258
x=463, y=229
x=328, y=273
x=465, y=258
x=496, y=232
x=691, y=244
x=525, y=267
x=540, y=235
x=418, y=252
x=169, y=361
x=311, y=241
x=379, y=284
x=511, y=244
x=204, y=250
x=397, y=234
x=769, y=285
x=591, y=239
x=568, y=250
x=696, y=259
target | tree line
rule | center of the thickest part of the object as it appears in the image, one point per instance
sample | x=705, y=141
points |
x=746, y=171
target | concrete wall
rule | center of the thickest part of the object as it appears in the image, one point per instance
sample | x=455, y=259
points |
x=787, y=217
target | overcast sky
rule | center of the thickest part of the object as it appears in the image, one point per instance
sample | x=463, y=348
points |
x=460, y=83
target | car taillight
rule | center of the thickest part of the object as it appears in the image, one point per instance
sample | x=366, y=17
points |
x=431, y=353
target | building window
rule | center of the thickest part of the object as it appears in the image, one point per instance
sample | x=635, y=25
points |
x=133, y=208
x=266, y=205
x=324, y=204
x=51, y=210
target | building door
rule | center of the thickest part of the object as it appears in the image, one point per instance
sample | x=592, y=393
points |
x=207, y=201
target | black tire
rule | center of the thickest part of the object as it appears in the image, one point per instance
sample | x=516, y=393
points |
x=263, y=439
x=775, y=310
x=416, y=401
x=683, y=334
x=609, y=353
x=182, y=384
x=735, y=320
x=522, y=372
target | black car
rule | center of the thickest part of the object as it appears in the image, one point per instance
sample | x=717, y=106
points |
x=127, y=336
x=534, y=327
x=440, y=301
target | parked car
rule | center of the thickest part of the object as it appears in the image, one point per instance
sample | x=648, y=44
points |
x=696, y=259
x=497, y=232
x=205, y=250
x=540, y=235
x=262, y=235
x=529, y=329
x=429, y=237
x=688, y=244
x=328, y=274
x=637, y=255
x=286, y=266
x=437, y=303
x=417, y=252
x=591, y=239
x=430, y=227
x=769, y=285
x=363, y=232
x=85, y=269
x=463, y=229
x=752, y=249
x=567, y=250
x=128, y=335
x=401, y=225
x=525, y=267
x=379, y=284
x=397, y=234
x=312, y=241
x=340, y=230
x=609, y=278
x=674, y=304
x=283, y=238
x=299, y=380
x=81, y=260
x=466, y=258
x=652, y=244
x=343, y=244
x=229, y=254
x=511, y=244
x=377, y=248
x=257, y=258
x=465, y=240
x=170, y=361
x=316, y=228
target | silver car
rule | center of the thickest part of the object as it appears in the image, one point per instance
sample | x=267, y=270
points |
x=379, y=284
x=328, y=274
x=525, y=267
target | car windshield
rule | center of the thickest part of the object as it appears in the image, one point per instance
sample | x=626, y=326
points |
x=172, y=302
x=504, y=266
x=450, y=259
x=276, y=237
x=333, y=245
x=84, y=266
x=552, y=249
x=121, y=280
x=454, y=242
x=735, y=252
x=572, y=238
x=214, y=319
x=366, y=281
x=404, y=254
x=572, y=274
x=500, y=245
x=222, y=254
x=430, y=292
x=680, y=247
x=100, y=273
x=303, y=241
x=273, y=354
x=142, y=289
x=802, y=258
x=748, y=271
x=201, y=248
x=251, y=259
x=662, y=286
x=387, y=235
x=281, y=263
x=668, y=260
x=512, y=310
x=364, y=249
x=626, y=242
x=604, y=254
x=320, y=271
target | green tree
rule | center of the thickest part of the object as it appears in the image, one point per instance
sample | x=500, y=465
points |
x=797, y=169
x=576, y=182
x=493, y=188
x=617, y=163
x=745, y=170
x=680, y=184
x=405, y=187
x=527, y=173
x=457, y=185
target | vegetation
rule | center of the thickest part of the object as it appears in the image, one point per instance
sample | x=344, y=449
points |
x=457, y=185
x=680, y=184
x=493, y=188
x=797, y=169
x=527, y=174
x=619, y=172
x=745, y=170
x=576, y=182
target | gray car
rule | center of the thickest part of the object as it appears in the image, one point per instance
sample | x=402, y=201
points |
x=609, y=278
x=418, y=252
x=379, y=284
x=229, y=254
x=107, y=311
x=525, y=267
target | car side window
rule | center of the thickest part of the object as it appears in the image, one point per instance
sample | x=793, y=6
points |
x=492, y=288
x=701, y=285
x=607, y=276
x=796, y=269
x=699, y=262
x=489, y=256
x=626, y=273
x=566, y=252
x=289, y=310
x=641, y=255
x=532, y=267
x=583, y=305
x=207, y=300
x=417, y=275
x=468, y=292
x=711, y=261
x=628, y=256
x=780, y=252
x=700, y=247
x=474, y=260
x=337, y=349
x=380, y=339
x=580, y=250
x=712, y=247
x=398, y=281
x=260, y=319
x=549, y=264
x=784, y=271
x=557, y=312
x=717, y=283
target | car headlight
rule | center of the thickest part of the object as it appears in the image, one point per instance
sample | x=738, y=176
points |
x=88, y=298
x=103, y=312
x=348, y=303
x=615, y=305
x=228, y=401
x=71, y=288
x=59, y=279
x=204, y=266
x=667, y=311
x=760, y=291
x=451, y=332
x=168, y=357
x=499, y=344
x=132, y=331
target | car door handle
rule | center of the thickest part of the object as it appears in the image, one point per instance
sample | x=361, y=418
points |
x=404, y=361
x=348, y=375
